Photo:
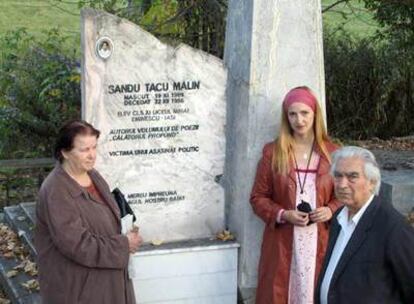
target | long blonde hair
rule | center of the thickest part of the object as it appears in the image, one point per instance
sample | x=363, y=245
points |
x=283, y=148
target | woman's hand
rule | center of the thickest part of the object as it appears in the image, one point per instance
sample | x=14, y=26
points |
x=295, y=217
x=321, y=214
x=134, y=240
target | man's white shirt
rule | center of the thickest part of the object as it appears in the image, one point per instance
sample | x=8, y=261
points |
x=347, y=229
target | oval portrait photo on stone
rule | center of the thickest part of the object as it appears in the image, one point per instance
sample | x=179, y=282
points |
x=104, y=47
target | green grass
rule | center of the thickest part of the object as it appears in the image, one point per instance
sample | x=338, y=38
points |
x=41, y=15
x=355, y=19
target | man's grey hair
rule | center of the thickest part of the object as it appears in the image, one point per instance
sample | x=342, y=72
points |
x=371, y=168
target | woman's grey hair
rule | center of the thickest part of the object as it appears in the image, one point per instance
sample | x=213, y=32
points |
x=371, y=168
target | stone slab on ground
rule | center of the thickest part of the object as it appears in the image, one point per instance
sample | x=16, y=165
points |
x=398, y=188
x=12, y=285
x=209, y=265
x=17, y=219
x=397, y=171
x=392, y=160
x=29, y=209
x=202, y=271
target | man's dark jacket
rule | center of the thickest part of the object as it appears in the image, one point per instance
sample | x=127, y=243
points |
x=377, y=265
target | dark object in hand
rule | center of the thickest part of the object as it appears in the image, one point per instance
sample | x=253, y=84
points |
x=305, y=207
x=123, y=205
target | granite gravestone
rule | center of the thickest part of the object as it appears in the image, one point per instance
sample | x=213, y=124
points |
x=161, y=112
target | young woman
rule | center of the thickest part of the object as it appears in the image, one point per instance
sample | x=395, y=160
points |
x=293, y=195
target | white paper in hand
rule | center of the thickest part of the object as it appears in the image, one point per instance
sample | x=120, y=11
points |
x=126, y=226
x=126, y=223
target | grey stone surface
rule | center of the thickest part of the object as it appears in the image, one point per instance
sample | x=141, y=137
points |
x=17, y=219
x=271, y=47
x=29, y=209
x=397, y=171
x=186, y=244
x=247, y=296
x=392, y=160
x=12, y=286
x=161, y=112
x=398, y=188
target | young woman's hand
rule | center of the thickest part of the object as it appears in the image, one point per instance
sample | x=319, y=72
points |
x=321, y=214
x=295, y=217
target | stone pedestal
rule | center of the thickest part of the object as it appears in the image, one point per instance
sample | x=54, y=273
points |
x=191, y=272
x=271, y=47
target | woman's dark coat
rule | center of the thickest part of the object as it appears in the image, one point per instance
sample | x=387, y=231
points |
x=82, y=256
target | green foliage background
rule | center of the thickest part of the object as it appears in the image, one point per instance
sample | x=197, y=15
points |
x=40, y=88
x=369, y=88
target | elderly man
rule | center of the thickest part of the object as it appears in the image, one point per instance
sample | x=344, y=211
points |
x=370, y=255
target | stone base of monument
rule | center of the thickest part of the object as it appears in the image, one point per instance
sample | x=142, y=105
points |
x=14, y=285
x=194, y=271
x=398, y=188
x=247, y=295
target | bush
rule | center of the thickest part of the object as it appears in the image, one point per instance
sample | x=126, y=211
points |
x=369, y=88
x=39, y=89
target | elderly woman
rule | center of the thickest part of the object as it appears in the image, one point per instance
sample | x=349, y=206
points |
x=293, y=195
x=82, y=255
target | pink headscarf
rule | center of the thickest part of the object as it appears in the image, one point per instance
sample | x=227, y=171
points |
x=301, y=95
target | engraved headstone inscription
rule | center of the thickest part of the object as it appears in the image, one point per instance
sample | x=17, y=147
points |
x=161, y=112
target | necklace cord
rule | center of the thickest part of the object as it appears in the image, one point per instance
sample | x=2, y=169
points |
x=302, y=186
